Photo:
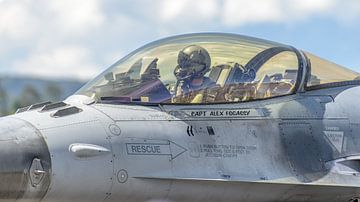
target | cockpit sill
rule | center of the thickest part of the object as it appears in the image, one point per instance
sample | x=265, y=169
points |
x=120, y=101
x=333, y=85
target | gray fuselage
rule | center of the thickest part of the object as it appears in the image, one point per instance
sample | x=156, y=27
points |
x=301, y=147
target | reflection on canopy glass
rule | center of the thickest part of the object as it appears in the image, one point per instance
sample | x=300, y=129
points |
x=324, y=72
x=200, y=68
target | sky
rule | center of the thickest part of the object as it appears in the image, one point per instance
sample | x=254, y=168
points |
x=78, y=39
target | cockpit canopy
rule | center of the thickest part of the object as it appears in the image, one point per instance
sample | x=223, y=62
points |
x=210, y=68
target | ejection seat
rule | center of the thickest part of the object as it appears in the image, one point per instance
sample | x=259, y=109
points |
x=276, y=85
x=235, y=82
x=226, y=74
x=287, y=84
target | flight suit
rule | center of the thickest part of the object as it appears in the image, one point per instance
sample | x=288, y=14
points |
x=187, y=93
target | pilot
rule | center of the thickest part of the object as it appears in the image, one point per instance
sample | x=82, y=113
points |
x=192, y=84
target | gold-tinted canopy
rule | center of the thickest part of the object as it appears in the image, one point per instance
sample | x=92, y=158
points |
x=242, y=69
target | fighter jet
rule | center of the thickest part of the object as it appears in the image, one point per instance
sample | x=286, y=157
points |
x=193, y=118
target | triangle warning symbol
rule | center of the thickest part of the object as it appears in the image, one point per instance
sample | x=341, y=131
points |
x=336, y=138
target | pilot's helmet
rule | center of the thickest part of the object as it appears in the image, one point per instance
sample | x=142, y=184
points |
x=193, y=62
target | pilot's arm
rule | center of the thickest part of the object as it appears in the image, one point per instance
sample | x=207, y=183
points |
x=198, y=99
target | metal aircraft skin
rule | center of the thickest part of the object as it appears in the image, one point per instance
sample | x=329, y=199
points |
x=272, y=124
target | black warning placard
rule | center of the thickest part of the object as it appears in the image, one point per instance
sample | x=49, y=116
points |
x=223, y=113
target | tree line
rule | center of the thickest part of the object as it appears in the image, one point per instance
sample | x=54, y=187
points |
x=28, y=96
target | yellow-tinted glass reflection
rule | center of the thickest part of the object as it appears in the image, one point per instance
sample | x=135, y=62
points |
x=148, y=74
x=323, y=72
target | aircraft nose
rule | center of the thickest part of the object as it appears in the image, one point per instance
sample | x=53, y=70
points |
x=24, y=161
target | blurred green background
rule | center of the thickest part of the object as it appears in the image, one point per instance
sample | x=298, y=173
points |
x=17, y=92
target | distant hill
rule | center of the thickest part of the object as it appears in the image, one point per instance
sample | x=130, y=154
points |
x=21, y=91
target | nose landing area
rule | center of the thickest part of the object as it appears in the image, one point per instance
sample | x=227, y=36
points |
x=25, y=163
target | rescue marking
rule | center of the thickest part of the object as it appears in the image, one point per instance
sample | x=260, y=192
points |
x=220, y=150
x=156, y=149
